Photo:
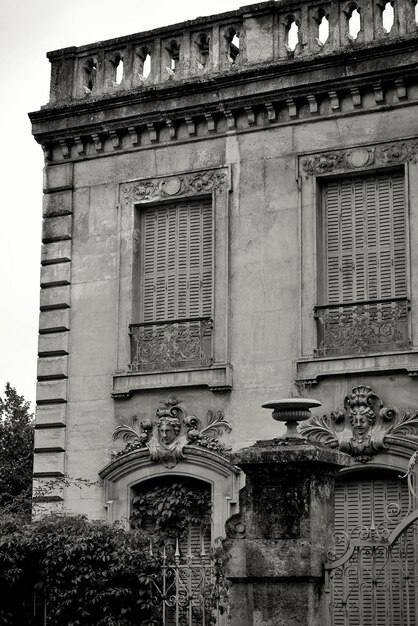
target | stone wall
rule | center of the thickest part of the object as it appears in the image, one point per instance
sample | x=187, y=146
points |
x=266, y=122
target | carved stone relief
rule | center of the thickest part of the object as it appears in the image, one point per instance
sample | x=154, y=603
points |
x=351, y=159
x=171, y=430
x=205, y=181
x=362, y=427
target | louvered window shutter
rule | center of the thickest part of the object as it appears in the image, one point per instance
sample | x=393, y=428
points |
x=360, y=505
x=365, y=238
x=177, y=266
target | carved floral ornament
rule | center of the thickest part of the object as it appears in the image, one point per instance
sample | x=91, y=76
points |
x=362, y=427
x=352, y=159
x=205, y=181
x=171, y=430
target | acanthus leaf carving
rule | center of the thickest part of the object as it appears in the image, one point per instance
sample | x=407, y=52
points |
x=406, y=425
x=357, y=158
x=205, y=181
x=318, y=428
x=400, y=152
x=172, y=429
x=361, y=429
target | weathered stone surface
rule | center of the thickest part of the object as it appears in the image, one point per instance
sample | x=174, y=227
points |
x=55, y=274
x=58, y=203
x=256, y=120
x=51, y=415
x=50, y=439
x=53, y=343
x=48, y=464
x=51, y=391
x=54, y=321
x=54, y=297
x=56, y=252
x=56, y=228
x=52, y=367
x=279, y=540
x=58, y=177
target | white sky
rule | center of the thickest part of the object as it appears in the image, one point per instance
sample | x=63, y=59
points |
x=28, y=29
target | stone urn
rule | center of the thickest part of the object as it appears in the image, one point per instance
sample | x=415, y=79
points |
x=291, y=411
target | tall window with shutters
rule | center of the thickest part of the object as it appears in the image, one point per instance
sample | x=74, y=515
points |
x=363, y=275
x=175, y=287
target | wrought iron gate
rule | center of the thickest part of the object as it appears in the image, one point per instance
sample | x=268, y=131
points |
x=188, y=593
x=371, y=578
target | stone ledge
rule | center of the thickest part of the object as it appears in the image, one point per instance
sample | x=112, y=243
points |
x=216, y=377
x=309, y=370
x=293, y=452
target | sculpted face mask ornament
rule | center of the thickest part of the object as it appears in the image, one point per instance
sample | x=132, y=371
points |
x=168, y=430
x=172, y=429
x=363, y=427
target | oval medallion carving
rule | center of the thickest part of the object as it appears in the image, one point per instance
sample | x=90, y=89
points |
x=359, y=158
x=172, y=186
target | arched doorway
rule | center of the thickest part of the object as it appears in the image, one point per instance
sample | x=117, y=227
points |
x=176, y=512
x=188, y=589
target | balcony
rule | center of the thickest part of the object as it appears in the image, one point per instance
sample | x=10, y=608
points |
x=171, y=344
x=364, y=327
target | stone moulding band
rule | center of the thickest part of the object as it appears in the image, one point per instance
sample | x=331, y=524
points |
x=389, y=154
x=180, y=185
x=266, y=114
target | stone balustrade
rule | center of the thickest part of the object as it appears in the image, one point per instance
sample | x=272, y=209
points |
x=285, y=31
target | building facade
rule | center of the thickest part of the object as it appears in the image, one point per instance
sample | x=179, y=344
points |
x=230, y=210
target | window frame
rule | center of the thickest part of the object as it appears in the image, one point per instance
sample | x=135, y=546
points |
x=134, y=195
x=313, y=170
x=138, y=285
x=323, y=296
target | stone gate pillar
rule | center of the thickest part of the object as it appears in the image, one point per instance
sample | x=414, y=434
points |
x=278, y=542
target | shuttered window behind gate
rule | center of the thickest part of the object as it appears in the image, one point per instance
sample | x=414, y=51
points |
x=363, y=504
x=177, y=272
x=355, y=500
x=365, y=238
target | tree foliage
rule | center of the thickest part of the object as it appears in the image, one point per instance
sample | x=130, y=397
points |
x=16, y=452
x=89, y=573
x=84, y=573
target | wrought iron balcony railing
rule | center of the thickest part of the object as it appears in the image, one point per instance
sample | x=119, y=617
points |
x=171, y=343
x=362, y=327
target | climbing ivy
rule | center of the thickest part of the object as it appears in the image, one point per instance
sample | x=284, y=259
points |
x=167, y=511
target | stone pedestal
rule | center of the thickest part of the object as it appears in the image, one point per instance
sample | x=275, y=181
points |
x=278, y=542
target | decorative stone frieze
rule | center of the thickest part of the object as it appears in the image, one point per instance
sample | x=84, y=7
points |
x=171, y=430
x=278, y=106
x=205, y=181
x=357, y=158
x=361, y=429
